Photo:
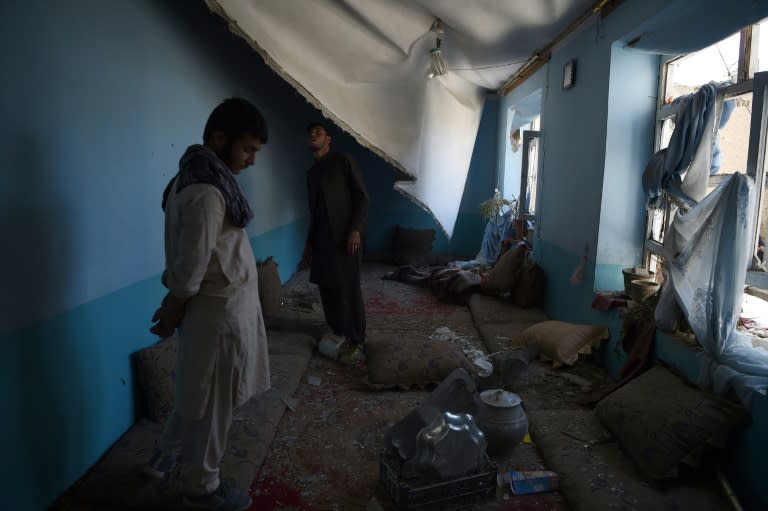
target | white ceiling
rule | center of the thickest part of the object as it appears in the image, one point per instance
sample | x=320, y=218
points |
x=364, y=64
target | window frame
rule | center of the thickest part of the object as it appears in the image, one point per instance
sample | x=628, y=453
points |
x=530, y=137
x=748, y=81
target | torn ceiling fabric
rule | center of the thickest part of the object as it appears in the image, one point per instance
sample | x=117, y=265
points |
x=364, y=63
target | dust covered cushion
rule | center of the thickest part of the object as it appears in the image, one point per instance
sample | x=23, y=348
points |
x=660, y=421
x=394, y=360
x=563, y=342
x=412, y=246
x=270, y=288
x=529, y=291
x=505, y=274
x=155, y=372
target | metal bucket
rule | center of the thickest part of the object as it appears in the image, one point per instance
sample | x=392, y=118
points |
x=639, y=290
x=514, y=367
x=636, y=273
x=331, y=346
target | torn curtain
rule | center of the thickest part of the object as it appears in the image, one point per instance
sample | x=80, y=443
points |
x=364, y=64
x=707, y=251
x=683, y=168
x=708, y=247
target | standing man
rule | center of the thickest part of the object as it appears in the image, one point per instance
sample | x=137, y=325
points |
x=338, y=207
x=213, y=299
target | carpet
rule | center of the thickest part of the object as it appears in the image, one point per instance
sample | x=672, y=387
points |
x=269, y=494
x=325, y=454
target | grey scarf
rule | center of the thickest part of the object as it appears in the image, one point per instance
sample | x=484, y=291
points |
x=200, y=165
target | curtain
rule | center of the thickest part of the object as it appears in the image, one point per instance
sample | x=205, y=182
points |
x=364, y=64
x=683, y=168
x=707, y=248
x=706, y=254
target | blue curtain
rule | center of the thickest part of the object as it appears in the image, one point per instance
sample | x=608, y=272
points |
x=706, y=254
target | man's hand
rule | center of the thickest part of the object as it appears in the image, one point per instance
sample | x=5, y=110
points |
x=168, y=317
x=353, y=242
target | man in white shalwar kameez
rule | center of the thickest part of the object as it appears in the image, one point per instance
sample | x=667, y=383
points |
x=213, y=300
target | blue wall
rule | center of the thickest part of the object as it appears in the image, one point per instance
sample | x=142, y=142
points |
x=597, y=138
x=98, y=102
x=633, y=87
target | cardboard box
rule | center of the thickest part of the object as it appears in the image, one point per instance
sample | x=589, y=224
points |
x=523, y=483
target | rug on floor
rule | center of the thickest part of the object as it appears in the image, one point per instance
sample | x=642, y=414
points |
x=325, y=454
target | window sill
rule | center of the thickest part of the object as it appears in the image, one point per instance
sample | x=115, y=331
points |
x=757, y=279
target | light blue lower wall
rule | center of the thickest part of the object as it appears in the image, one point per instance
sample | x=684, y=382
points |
x=70, y=390
x=633, y=87
x=746, y=458
x=66, y=382
x=569, y=302
x=608, y=277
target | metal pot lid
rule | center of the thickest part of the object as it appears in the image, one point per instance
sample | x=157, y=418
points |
x=500, y=398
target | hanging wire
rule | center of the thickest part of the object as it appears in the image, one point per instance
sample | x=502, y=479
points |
x=727, y=67
x=487, y=67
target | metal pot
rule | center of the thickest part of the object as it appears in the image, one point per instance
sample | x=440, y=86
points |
x=451, y=446
x=502, y=419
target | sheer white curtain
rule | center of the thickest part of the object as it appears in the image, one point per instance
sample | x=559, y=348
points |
x=706, y=254
x=707, y=248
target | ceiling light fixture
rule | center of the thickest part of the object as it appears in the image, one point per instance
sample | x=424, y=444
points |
x=437, y=66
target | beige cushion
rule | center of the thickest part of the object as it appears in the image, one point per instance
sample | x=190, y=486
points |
x=394, y=360
x=270, y=288
x=660, y=421
x=562, y=342
x=505, y=274
x=155, y=373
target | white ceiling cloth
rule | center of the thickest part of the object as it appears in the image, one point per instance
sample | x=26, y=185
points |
x=364, y=64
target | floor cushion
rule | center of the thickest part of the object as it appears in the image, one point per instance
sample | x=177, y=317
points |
x=490, y=309
x=270, y=287
x=660, y=421
x=503, y=336
x=563, y=342
x=412, y=247
x=595, y=473
x=529, y=291
x=395, y=360
x=155, y=370
x=505, y=274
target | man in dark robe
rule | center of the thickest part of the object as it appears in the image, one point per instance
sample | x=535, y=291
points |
x=338, y=206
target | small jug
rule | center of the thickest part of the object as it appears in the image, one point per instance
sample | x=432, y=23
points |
x=502, y=419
